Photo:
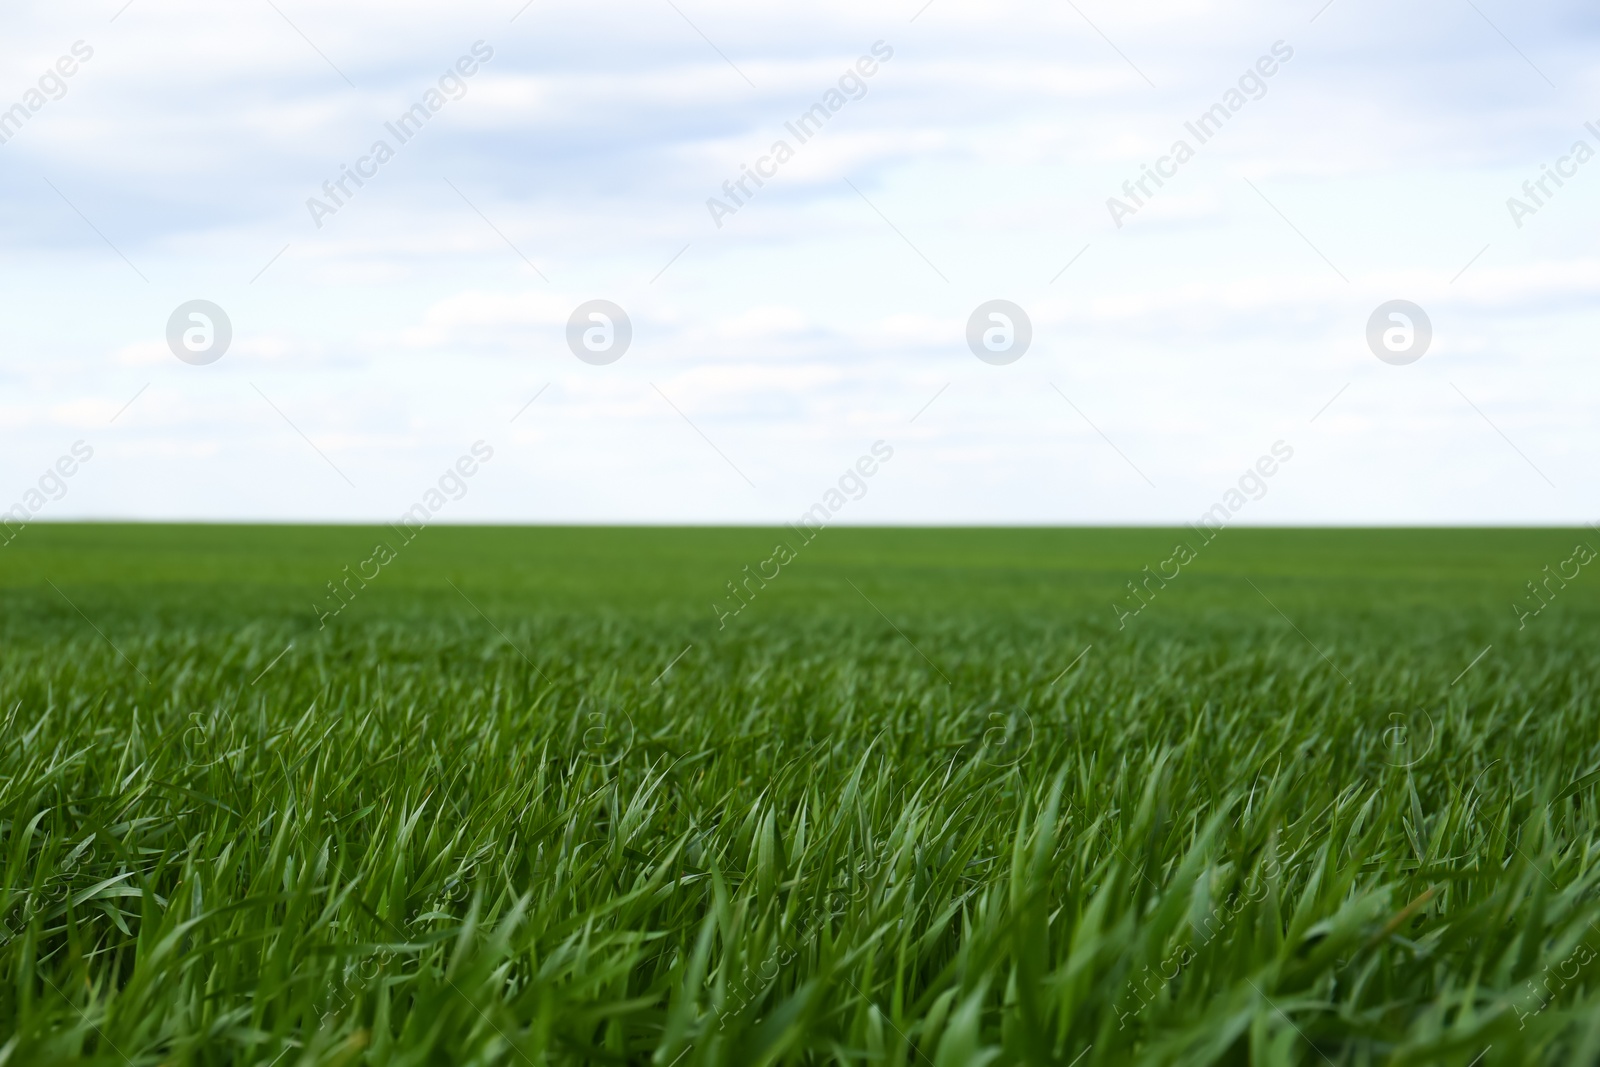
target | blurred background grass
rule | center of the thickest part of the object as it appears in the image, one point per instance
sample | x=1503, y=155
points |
x=683, y=569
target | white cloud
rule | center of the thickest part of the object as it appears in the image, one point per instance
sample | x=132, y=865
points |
x=820, y=317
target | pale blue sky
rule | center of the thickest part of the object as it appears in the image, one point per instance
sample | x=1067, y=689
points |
x=832, y=307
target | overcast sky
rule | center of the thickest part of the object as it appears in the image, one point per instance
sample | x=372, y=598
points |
x=377, y=335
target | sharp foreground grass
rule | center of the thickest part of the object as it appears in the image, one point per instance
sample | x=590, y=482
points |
x=922, y=797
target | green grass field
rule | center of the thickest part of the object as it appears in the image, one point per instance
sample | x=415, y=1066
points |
x=1324, y=799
